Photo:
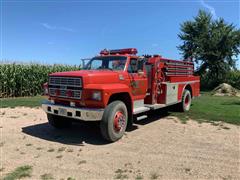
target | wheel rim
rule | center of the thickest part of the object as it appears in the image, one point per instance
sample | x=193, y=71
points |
x=119, y=121
x=187, y=100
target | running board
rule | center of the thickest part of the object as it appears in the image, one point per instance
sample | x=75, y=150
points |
x=140, y=110
x=148, y=107
x=155, y=106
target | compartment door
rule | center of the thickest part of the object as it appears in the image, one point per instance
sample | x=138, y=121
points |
x=172, y=93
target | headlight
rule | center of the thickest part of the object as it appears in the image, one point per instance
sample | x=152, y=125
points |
x=96, y=95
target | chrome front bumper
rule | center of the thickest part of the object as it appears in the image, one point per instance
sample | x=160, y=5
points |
x=85, y=114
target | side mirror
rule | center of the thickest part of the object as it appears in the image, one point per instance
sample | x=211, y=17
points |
x=84, y=63
x=45, y=88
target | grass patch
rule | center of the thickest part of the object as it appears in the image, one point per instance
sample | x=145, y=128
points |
x=34, y=101
x=70, y=178
x=61, y=149
x=69, y=150
x=82, y=162
x=20, y=172
x=13, y=117
x=37, y=156
x=51, y=150
x=47, y=176
x=1, y=169
x=139, y=176
x=187, y=170
x=224, y=127
x=59, y=156
x=2, y=144
x=120, y=174
x=212, y=108
x=204, y=108
x=154, y=175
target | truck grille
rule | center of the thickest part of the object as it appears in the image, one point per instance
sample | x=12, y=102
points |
x=65, y=87
x=66, y=81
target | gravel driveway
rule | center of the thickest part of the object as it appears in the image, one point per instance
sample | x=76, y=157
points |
x=161, y=147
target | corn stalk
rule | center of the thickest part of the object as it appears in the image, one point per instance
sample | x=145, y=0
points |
x=26, y=79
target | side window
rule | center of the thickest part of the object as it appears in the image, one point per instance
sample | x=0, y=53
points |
x=96, y=64
x=135, y=65
x=140, y=65
x=117, y=64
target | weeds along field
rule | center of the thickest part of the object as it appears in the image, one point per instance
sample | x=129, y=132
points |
x=26, y=79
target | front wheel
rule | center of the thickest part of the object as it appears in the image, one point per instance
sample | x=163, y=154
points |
x=186, y=101
x=114, y=121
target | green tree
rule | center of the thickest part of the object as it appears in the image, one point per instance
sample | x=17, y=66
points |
x=212, y=44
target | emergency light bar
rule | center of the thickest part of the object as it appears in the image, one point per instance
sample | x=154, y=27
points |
x=119, y=51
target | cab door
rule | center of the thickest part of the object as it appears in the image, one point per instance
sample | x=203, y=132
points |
x=138, y=78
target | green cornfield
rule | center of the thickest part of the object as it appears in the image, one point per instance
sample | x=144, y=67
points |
x=26, y=79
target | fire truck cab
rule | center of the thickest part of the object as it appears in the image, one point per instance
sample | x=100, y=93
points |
x=118, y=86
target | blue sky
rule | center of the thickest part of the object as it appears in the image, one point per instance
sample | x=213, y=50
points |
x=66, y=31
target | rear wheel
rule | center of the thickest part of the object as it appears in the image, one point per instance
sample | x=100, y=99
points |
x=58, y=121
x=186, y=101
x=114, y=121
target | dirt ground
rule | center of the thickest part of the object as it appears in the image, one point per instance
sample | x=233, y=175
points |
x=161, y=147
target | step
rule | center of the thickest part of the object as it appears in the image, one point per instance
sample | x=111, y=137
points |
x=140, y=110
x=139, y=118
x=155, y=106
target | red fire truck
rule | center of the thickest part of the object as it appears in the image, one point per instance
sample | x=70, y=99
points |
x=117, y=87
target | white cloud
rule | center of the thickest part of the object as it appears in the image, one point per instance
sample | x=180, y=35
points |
x=210, y=8
x=50, y=27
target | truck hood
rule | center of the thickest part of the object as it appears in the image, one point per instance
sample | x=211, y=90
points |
x=92, y=76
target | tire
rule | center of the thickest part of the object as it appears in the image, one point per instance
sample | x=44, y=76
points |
x=185, y=104
x=59, y=121
x=114, y=121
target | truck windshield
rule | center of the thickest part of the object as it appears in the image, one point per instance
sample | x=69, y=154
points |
x=115, y=63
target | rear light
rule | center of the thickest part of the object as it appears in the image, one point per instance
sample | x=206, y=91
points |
x=45, y=88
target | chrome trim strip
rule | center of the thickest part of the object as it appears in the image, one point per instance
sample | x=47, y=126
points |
x=158, y=106
x=183, y=82
x=86, y=114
